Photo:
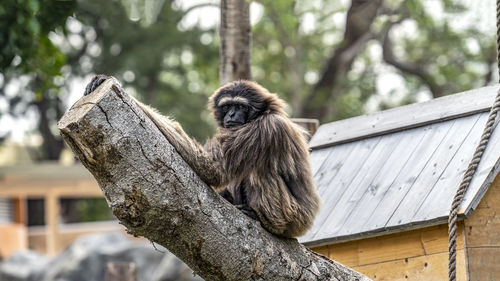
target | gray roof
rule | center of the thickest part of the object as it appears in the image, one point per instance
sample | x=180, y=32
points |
x=48, y=170
x=399, y=169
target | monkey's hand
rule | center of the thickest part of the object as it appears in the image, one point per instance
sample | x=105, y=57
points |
x=96, y=81
x=245, y=209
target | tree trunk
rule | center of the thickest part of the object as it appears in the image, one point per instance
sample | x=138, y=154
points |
x=235, y=40
x=155, y=194
x=52, y=146
x=321, y=101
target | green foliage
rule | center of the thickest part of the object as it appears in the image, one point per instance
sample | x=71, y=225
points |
x=175, y=68
x=26, y=51
x=171, y=68
x=285, y=54
x=24, y=27
x=454, y=58
x=93, y=209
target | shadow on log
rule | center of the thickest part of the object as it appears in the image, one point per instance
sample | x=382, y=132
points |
x=155, y=194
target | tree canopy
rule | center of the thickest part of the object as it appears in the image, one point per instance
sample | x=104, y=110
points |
x=329, y=59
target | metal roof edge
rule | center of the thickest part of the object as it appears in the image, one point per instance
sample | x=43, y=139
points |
x=405, y=117
x=478, y=196
x=378, y=232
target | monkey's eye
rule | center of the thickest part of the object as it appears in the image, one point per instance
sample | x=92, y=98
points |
x=225, y=108
x=243, y=108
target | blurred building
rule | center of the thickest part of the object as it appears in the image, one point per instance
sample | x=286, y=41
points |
x=43, y=206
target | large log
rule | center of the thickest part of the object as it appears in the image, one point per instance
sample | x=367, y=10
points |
x=155, y=194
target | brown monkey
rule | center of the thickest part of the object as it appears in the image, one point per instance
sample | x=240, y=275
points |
x=258, y=160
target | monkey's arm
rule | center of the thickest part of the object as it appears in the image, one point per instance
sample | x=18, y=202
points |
x=201, y=161
x=267, y=142
x=274, y=148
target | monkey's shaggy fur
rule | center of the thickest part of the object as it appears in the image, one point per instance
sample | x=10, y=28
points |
x=265, y=162
x=262, y=165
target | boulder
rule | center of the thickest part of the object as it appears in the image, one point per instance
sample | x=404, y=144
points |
x=88, y=256
x=24, y=265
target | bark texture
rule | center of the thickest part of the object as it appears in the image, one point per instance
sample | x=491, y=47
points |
x=155, y=194
x=235, y=41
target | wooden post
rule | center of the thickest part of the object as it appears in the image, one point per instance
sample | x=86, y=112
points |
x=121, y=271
x=19, y=206
x=310, y=125
x=51, y=221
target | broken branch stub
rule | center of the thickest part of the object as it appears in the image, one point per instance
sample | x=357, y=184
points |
x=155, y=194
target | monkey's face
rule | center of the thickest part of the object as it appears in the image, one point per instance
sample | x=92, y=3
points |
x=238, y=103
x=235, y=114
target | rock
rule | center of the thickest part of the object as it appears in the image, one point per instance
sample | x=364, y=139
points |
x=23, y=266
x=173, y=269
x=88, y=256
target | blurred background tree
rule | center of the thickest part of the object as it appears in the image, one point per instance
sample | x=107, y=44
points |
x=329, y=59
x=31, y=61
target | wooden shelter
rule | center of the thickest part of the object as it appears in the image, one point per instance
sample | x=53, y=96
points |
x=387, y=181
x=51, y=182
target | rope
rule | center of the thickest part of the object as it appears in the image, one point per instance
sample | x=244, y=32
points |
x=471, y=169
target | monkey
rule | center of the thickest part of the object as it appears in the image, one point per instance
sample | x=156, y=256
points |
x=258, y=159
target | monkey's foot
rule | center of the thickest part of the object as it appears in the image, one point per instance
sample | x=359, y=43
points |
x=247, y=211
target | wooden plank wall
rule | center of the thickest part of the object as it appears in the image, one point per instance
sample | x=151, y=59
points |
x=482, y=234
x=12, y=238
x=412, y=255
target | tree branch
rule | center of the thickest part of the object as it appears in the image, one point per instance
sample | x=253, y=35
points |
x=360, y=17
x=155, y=194
x=491, y=58
x=295, y=69
x=407, y=67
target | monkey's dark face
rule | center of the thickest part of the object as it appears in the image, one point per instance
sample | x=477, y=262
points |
x=235, y=114
x=237, y=104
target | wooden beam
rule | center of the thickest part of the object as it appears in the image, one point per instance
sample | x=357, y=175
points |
x=411, y=255
x=310, y=125
x=51, y=221
x=67, y=189
x=431, y=267
x=482, y=233
x=414, y=243
x=235, y=38
x=20, y=209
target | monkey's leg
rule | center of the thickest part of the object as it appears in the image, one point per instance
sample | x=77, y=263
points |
x=245, y=209
x=227, y=195
x=273, y=227
x=239, y=201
